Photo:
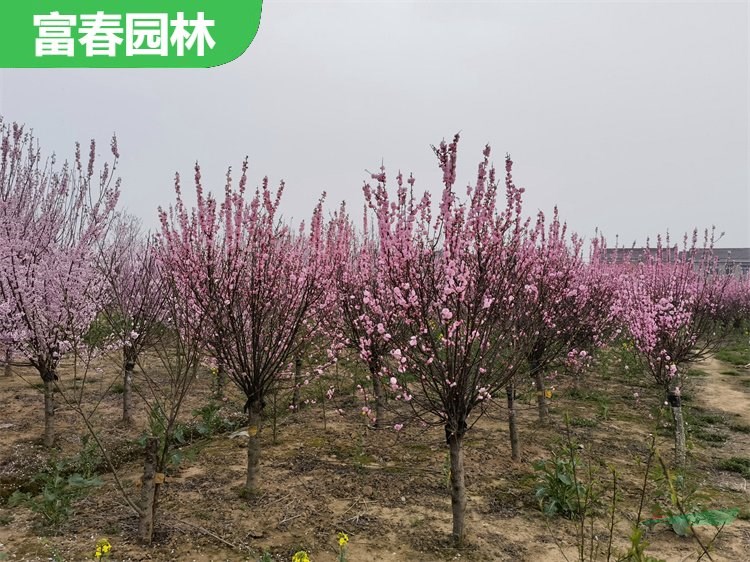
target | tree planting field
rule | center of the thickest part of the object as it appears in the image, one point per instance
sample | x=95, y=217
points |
x=389, y=491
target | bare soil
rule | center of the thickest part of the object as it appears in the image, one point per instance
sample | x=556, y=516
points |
x=387, y=490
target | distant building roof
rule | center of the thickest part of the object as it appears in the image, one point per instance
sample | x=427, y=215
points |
x=733, y=259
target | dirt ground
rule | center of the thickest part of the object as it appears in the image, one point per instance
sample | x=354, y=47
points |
x=387, y=490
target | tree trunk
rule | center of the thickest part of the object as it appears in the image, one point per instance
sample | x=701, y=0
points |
x=515, y=445
x=458, y=489
x=297, y=383
x=541, y=396
x=148, y=492
x=127, y=392
x=675, y=403
x=221, y=381
x=8, y=359
x=49, y=411
x=253, y=446
x=377, y=389
x=275, y=415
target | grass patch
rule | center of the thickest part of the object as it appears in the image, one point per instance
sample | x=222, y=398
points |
x=695, y=372
x=698, y=417
x=740, y=465
x=584, y=422
x=735, y=352
x=316, y=442
x=739, y=427
x=731, y=373
x=687, y=396
x=733, y=357
x=590, y=395
x=709, y=436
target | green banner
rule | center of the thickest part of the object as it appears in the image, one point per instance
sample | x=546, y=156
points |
x=125, y=33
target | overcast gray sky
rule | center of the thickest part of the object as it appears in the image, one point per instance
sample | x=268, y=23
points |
x=631, y=116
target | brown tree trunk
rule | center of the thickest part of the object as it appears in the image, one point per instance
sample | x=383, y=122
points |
x=297, y=383
x=541, y=396
x=458, y=489
x=253, y=446
x=49, y=411
x=515, y=444
x=675, y=403
x=8, y=359
x=377, y=389
x=127, y=392
x=148, y=492
x=275, y=415
x=221, y=381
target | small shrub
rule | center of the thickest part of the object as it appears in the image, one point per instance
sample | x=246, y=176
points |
x=210, y=420
x=559, y=490
x=89, y=458
x=58, y=491
x=157, y=427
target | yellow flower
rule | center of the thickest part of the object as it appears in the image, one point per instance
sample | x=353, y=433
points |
x=548, y=394
x=343, y=539
x=301, y=556
x=103, y=547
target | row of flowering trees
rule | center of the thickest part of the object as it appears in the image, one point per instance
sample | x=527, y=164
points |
x=448, y=303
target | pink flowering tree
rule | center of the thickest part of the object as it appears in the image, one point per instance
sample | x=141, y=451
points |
x=567, y=312
x=361, y=314
x=593, y=313
x=734, y=309
x=454, y=281
x=258, y=284
x=53, y=218
x=136, y=299
x=671, y=304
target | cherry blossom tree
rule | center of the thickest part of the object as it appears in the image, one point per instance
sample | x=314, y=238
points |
x=360, y=312
x=734, y=309
x=567, y=312
x=258, y=283
x=51, y=221
x=671, y=303
x=135, y=310
x=455, y=281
